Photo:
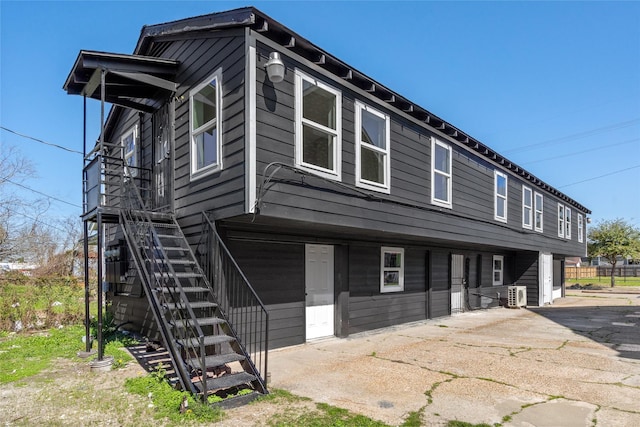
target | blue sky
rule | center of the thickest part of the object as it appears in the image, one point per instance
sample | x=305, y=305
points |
x=553, y=86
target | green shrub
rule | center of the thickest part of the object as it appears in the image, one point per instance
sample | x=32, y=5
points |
x=39, y=303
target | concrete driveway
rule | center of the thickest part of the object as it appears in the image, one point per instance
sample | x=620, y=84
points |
x=574, y=363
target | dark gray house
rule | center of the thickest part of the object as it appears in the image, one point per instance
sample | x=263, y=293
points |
x=244, y=173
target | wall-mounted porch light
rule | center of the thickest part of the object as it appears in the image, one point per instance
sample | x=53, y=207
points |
x=275, y=67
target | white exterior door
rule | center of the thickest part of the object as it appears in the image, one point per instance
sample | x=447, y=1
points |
x=545, y=278
x=457, y=284
x=319, y=291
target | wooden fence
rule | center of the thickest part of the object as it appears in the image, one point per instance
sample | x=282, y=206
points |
x=580, y=272
x=590, y=272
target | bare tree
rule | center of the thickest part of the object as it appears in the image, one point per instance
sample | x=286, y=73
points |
x=20, y=218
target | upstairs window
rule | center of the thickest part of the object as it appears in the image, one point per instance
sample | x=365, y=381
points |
x=318, y=127
x=500, y=205
x=538, y=206
x=440, y=173
x=129, y=151
x=567, y=222
x=560, y=220
x=527, y=208
x=204, y=126
x=498, y=270
x=580, y=228
x=392, y=270
x=372, y=148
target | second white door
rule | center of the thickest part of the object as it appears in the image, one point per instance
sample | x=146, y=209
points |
x=319, y=291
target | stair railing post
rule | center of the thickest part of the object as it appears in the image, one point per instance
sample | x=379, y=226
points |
x=203, y=368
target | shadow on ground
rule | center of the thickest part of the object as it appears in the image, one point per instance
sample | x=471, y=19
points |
x=617, y=327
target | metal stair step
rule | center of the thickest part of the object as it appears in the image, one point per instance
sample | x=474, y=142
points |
x=170, y=236
x=182, y=275
x=186, y=289
x=226, y=381
x=158, y=218
x=193, y=304
x=216, y=360
x=166, y=248
x=202, y=321
x=208, y=340
x=180, y=261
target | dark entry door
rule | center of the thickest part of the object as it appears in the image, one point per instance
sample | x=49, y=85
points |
x=162, y=148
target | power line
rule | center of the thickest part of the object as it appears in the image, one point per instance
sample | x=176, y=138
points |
x=601, y=176
x=41, y=141
x=575, y=136
x=41, y=193
x=604, y=147
x=37, y=220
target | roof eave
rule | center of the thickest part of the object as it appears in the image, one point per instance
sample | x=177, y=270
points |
x=289, y=40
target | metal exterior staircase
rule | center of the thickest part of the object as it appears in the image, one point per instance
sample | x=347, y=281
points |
x=205, y=349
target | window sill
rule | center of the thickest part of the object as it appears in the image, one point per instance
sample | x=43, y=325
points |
x=324, y=173
x=441, y=204
x=373, y=187
x=209, y=170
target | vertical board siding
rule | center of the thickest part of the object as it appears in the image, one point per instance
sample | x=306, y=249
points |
x=440, y=296
x=370, y=309
x=374, y=312
x=526, y=268
x=224, y=190
x=276, y=272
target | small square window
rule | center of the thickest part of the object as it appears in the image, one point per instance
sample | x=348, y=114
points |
x=392, y=270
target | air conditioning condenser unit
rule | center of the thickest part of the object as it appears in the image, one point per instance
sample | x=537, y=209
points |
x=516, y=296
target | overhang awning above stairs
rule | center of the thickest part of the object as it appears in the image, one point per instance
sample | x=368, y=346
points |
x=133, y=81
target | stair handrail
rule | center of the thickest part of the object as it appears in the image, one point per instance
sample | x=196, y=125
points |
x=261, y=376
x=176, y=358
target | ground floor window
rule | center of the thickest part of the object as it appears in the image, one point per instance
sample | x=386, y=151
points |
x=498, y=270
x=392, y=270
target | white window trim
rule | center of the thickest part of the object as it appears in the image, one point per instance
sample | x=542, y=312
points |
x=560, y=220
x=214, y=167
x=538, y=209
x=336, y=173
x=400, y=288
x=125, y=155
x=361, y=182
x=444, y=203
x=580, y=228
x=567, y=222
x=525, y=216
x=499, y=282
x=497, y=197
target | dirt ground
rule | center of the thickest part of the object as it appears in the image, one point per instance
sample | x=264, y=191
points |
x=70, y=394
